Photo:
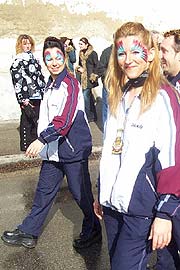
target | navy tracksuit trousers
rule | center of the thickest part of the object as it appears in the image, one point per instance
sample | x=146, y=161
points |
x=128, y=246
x=50, y=179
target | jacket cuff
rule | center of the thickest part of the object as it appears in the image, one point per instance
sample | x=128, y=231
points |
x=163, y=215
x=41, y=140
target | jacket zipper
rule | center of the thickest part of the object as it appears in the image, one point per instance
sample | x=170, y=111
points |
x=153, y=189
x=70, y=145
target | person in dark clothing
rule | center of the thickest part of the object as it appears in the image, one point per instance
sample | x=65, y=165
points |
x=29, y=84
x=103, y=65
x=86, y=73
x=64, y=143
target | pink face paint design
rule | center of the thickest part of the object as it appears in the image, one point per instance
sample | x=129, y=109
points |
x=139, y=50
x=120, y=50
x=47, y=57
x=58, y=57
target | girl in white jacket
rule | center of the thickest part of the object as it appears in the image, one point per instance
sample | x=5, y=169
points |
x=139, y=185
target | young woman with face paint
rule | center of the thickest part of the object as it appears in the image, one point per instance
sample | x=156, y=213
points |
x=139, y=185
x=64, y=143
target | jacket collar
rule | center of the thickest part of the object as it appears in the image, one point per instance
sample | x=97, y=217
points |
x=174, y=79
x=58, y=80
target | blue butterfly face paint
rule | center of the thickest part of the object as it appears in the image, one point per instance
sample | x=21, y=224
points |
x=140, y=50
x=120, y=50
x=137, y=50
x=55, y=61
x=58, y=56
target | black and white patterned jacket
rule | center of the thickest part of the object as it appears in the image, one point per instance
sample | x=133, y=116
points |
x=27, y=78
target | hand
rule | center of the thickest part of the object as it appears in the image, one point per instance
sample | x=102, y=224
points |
x=98, y=209
x=80, y=69
x=26, y=102
x=161, y=232
x=34, y=149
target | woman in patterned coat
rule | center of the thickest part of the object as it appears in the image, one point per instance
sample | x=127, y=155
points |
x=29, y=84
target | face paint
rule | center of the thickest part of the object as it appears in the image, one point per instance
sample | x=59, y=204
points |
x=47, y=57
x=139, y=50
x=120, y=50
x=58, y=57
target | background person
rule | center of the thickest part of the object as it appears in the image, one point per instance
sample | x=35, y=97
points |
x=139, y=190
x=29, y=84
x=170, y=57
x=102, y=68
x=86, y=73
x=64, y=143
x=70, y=53
x=170, y=63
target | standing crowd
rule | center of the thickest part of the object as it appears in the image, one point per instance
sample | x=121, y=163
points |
x=138, y=184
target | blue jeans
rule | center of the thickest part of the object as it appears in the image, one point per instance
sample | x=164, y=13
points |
x=89, y=104
x=104, y=104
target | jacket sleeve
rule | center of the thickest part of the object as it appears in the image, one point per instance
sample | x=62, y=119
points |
x=103, y=64
x=72, y=56
x=19, y=83
x=168, y=178
x=61, y=124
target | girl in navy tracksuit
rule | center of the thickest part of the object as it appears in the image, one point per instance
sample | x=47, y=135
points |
x=139, y=190
x=64, y=143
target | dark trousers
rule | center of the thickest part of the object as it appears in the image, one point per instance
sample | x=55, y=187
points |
x=89, y=101
x=128, y=246
x=50, y=179
x=28, y=125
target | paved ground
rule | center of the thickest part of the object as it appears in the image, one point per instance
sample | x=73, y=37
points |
x=18, y=179
x=54, y=250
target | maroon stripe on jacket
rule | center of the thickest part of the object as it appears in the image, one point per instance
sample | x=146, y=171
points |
x=169, y=178
x=63, y=122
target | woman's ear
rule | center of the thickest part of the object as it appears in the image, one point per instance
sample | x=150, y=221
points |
x=151, y=54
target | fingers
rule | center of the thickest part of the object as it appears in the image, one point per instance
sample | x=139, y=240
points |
x=98, y=210
x=161, y=232
x=31, y=152
x=150, y=236
x=34, y=149
x=161, y=241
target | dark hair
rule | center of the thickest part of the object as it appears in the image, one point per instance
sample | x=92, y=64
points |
x=51, y=42
x=85, y=40
x=176, y=34
x=63, y=39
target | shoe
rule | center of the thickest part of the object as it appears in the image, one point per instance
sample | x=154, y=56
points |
x=84, y=241
x=19, y=238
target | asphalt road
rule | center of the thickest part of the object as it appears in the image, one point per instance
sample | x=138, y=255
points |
x=54, y=250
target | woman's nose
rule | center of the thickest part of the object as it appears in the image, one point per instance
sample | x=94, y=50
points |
x=128, y=58
x=54, y=62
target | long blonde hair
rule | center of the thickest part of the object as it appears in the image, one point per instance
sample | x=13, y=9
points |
x=19, y=43
x=115, y=77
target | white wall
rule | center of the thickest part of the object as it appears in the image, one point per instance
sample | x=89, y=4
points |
x=9, y=109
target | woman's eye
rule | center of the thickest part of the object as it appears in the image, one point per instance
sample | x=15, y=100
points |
x=136, y=52
x=120, y=54
x=48, y=58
